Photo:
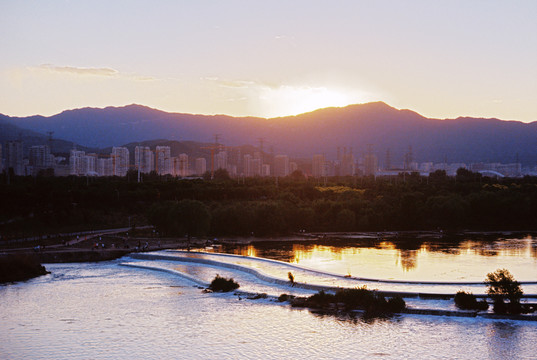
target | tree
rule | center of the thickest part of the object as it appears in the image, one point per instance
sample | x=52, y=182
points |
x=465, y=175
x=345, y=220
x=502, y=285
x=191, y=217
x=297, y=175
x=221, y=174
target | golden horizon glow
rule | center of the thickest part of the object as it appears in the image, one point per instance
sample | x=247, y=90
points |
x=270, y=59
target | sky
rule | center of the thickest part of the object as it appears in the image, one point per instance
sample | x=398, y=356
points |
x=443, y=59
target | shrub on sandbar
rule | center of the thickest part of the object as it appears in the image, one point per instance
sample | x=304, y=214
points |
x=468, y=301
x=222, y=284
x=356, y=299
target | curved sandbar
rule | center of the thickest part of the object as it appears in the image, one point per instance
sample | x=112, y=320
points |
x=316, y=280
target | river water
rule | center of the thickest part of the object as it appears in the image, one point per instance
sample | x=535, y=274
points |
x=465, y=259
x=110, y=311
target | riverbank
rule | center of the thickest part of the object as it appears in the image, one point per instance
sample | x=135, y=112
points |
x=20, y=267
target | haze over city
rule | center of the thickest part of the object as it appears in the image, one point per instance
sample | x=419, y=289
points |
x=267, y=59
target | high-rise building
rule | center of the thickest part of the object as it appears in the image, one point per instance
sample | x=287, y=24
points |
x=14, y=159
x=143, y=159
x=319, y=166
x=265, y=170
x=105, y=167
x=347, y=167
x=181, y=165
x=252, y=165
x=370, y=164
x=40, y=158
x=163, y=160
x=255, y=167
x=246, y=165
x=201, y=166
x=76, y=162
x=221, y=160
x=232, y=170
x=120, y=157
x=281, y=165
x=293, y=166
x=89, y=163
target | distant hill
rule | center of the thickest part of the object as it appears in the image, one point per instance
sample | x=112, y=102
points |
x=30, y=138
x=322, y=131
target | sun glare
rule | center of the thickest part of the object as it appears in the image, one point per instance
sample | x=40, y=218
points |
x=290, y=100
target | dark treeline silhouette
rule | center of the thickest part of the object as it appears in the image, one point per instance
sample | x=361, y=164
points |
x=266, y=207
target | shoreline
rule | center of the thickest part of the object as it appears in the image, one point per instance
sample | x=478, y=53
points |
x=86, y=250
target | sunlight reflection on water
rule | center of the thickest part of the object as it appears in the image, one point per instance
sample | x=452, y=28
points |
x=466, y=260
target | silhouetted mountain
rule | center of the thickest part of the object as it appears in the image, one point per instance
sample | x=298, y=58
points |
x=321, y=131
x=29, y=138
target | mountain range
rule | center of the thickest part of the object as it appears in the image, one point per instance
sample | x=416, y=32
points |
x=463, y=139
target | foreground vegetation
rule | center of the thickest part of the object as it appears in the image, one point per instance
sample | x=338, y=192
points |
x=266, y=207
x=222, y=284
x=468, y=301
x=20, y=267
x=372, y=303
x=501, y=286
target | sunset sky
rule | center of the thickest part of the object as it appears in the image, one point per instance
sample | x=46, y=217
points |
x=442, y=59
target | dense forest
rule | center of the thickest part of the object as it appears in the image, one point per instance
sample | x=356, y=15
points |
x=267, y=206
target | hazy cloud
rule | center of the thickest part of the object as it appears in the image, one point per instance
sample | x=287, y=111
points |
x=235, y=84
x=79, y=70
x=89, y=71
x=242, y=84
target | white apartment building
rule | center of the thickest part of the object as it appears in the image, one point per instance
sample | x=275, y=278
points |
x=143, y=159
x=163, y=160
x=120, y=159
x=319, y=166
x=281, y=165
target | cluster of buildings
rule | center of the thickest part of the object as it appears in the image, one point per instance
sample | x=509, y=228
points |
x=163, y=163
x=39, y=158
x=160, y=160
x=92, y=164
x=118, y=163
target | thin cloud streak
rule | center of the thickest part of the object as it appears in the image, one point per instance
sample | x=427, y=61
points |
x=90, y=71
x=79, y=70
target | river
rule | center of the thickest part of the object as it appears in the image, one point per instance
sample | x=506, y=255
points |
x=108, y=311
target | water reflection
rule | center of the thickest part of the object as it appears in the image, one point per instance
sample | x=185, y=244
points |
x=467, y=258
x=408, y=259
x=503, y=340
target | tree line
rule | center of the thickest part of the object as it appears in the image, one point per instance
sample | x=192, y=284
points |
x=268, y=206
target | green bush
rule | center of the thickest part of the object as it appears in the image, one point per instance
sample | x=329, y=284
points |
x=468, y=301
x=222, y=284
x=502, y=285
x=357, y=299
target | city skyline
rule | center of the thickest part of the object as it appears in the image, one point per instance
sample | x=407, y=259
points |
x=442, y=60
